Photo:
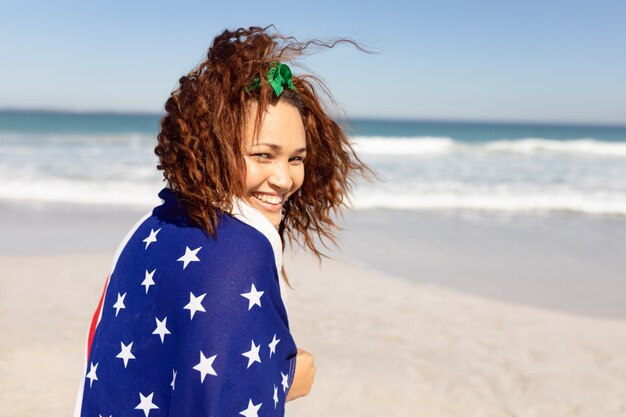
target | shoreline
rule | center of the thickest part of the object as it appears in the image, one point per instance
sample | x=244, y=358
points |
x=563, y=262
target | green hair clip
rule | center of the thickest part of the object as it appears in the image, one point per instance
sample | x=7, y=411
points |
x=279, y=77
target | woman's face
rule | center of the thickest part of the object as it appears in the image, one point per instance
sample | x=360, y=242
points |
x=274, y=160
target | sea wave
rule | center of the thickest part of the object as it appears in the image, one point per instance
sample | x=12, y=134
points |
x=575, y=146
x=580, y=175
x=27, y=140
x=367, y=145
x=82, y=192
x=422, y=145
x=432, y=145
x=433, y=197
x=512, y=202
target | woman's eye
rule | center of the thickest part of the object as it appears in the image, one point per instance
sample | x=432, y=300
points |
x=262, y=155
x=297, y=159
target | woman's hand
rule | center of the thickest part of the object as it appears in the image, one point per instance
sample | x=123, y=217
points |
x=303, y=379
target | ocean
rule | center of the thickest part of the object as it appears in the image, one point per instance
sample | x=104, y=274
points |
x=527, y=213
x=512, y=168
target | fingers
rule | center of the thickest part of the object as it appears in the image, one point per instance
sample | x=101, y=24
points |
x=304, y=375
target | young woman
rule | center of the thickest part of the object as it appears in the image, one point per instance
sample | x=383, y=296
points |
x=192, y=321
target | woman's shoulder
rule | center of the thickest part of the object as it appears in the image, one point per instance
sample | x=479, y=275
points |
x=167, y=254
x=167, y=233
x=167, y=241
x=171, y=219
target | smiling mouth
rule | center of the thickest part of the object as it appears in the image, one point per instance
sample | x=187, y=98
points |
x=268, y=199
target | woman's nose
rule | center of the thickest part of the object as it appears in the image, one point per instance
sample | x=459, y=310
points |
x=281, y=176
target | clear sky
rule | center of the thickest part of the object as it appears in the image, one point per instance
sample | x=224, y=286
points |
x=478, y=60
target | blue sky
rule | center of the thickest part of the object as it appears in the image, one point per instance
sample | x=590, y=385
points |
x=472, y=60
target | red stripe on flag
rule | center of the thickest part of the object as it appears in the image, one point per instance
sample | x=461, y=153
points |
x=94, y=320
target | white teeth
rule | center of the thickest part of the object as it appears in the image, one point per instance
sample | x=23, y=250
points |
x=272, y=199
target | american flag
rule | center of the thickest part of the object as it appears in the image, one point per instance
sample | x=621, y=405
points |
x=189, y=325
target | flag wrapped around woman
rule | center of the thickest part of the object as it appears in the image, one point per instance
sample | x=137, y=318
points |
x=192, y=320
x=189, y=324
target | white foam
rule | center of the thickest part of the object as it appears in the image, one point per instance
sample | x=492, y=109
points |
x=419, y=173
x=575, y=146
x=380, y=145
x=496, y=200
x=128, y=139
x=56, y=190
x=428, y=145
x=433, y=196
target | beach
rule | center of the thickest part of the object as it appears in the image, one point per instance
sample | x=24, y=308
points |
x=386, y=340
x=482, y=273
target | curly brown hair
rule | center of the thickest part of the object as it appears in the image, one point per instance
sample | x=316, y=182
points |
x=200, y=142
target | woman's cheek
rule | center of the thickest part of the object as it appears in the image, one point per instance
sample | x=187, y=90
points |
x=253, y=174
x=299, y=177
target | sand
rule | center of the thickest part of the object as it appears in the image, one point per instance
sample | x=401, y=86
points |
x=383, y=346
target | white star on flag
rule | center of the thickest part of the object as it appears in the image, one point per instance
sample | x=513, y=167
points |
x=92, y=373
x=254, y=297
x=148, y=281
x=252, y=410
x=284, y=382
x=173, y=383
x=273, y=344
x=119, y=304
x=146, y=404
x=195, y=304
x=205, y=367
x=125, y=354
x=161, y=330
x=252, y=354
x=275, y=397
x=189, y=256
x=152, y=238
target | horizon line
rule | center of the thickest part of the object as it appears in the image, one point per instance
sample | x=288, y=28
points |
x=559, y=123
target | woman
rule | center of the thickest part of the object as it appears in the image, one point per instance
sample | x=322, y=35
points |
x=191, y=321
